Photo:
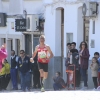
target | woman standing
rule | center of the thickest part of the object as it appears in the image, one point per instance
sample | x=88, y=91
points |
x=83, y=61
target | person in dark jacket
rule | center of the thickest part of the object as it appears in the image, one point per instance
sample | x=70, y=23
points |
x=58, y=82
x=83, y=61
x=24, y=68
x=14, y=70
x=36, y=73
x=74, y=59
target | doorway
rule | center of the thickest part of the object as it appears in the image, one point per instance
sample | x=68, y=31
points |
x=59, y=44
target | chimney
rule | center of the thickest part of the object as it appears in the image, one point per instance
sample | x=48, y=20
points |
x=16, y=7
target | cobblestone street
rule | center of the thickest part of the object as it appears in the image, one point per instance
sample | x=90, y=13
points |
x=50, y=95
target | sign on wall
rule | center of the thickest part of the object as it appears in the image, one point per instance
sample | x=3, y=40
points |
x=20, y=25
x=2, y=19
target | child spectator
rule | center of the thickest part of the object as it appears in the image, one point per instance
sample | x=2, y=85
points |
x=58, y=82
x=94, y=71
x=96, y=54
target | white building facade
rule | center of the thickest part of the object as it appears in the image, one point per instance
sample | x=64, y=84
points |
x=15, y=40
x=64, y=23
x=18, y=40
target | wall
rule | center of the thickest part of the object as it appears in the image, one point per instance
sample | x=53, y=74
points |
x=5, y=6
x=8, y=29
x=50, y=29
x=70, y=23
x=94, y=36
x=34, y=7
x=79, y=27
x=58, y=33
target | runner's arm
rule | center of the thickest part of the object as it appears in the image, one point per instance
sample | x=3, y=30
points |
x=49, y=50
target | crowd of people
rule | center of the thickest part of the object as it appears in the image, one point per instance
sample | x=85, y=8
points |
x=81, y=61
x=38, y=66
x=25, y=66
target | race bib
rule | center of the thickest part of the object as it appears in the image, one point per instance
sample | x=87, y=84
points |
x=42, y=54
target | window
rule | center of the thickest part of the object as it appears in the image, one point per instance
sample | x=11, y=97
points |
x=62, y=16
x=11, y=44
x=0, y=20
x=4, y=40
x=28, y=23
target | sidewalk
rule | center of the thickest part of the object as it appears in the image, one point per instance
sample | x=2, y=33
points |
x=50, y=95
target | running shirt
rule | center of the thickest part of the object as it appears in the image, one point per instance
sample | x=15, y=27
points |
x=42, y=54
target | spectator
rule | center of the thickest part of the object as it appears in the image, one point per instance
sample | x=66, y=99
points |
x=3, y=54
x=75, y=60
x=94, y=71
x=7, y=72
x=24, y=68
x=36, y=74
x=68, y=55
x=83, y=61
x=73, y=45
x=58, y=82
x=13, y=70
x=2, y=78
x=96, y=54
x=68, y=47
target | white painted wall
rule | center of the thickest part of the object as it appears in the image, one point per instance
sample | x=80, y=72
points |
x=5, y=6
x=15, y=7
x=58, y=33
x=4, y=30
x=0, y=6
x=50, y=28
x=79, y=27
x=34, y=6
x=70, y=23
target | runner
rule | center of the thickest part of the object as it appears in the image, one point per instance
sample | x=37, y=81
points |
x=44, y=55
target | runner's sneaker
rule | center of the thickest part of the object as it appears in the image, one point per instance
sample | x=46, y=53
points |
x=42, y=89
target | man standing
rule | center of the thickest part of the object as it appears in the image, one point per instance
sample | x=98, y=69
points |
x=73, y=45
x=77, y=72
x=44, y=55
x=14, y=71
x=24, y=68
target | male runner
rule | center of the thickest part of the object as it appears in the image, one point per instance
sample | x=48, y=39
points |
x=44, y=55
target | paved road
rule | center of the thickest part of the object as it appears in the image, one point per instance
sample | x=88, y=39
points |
x=51, y=95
